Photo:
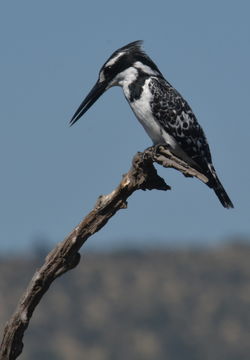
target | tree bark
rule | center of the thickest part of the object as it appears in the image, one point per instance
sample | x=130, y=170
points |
x=65, y=256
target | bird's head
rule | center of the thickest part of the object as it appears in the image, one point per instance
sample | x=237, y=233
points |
x=125, y=64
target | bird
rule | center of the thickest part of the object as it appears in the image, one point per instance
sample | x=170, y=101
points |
x=160, y=108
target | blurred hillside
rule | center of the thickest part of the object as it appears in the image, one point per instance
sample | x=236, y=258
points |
x=169, y=304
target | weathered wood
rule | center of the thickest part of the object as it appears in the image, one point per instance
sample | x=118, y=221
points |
x=65, y=256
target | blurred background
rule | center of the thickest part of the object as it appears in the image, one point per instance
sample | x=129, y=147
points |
x=181, y=254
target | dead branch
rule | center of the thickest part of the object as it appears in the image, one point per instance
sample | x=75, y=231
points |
x=65, y=256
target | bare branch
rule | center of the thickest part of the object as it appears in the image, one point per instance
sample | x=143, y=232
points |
x=65, y=256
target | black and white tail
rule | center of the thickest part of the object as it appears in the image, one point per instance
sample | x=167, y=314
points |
x=218, y=188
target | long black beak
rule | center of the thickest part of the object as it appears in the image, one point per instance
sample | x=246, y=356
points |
x=97, y=90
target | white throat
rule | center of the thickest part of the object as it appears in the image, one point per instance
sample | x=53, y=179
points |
x=125, y=78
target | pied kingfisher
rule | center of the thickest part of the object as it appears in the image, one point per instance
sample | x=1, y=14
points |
x=162, y=111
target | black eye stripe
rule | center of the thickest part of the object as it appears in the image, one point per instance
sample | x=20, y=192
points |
x=125, y=61
x=121, y=64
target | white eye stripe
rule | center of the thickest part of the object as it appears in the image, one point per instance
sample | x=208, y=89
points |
x=114, y=59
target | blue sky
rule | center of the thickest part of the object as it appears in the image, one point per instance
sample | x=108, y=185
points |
x=51, y=175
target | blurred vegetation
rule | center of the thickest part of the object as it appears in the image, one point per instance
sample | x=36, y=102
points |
x=164, y=304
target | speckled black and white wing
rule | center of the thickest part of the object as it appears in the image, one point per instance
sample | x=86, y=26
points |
x=177, y=119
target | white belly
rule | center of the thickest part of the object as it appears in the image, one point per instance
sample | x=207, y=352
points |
x=142, y=110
